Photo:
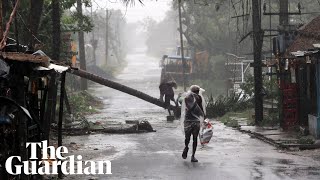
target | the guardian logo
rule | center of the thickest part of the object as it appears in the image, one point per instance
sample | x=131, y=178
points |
x=67, y=163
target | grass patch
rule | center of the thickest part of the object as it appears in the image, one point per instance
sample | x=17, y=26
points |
x=232, y=119
x=218, y=107
x=83, y=103
x=270, y=120
x=306, y=140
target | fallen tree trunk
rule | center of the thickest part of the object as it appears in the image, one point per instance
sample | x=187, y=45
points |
x=119, y=87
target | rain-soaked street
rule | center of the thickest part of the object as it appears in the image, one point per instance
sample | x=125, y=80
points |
x=230, y=154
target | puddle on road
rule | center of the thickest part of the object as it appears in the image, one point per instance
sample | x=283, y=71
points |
x=285, y=161
x=110, y=147
x=258, y=162
x=282, y=168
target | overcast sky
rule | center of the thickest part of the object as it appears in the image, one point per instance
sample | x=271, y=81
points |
x=151, y=8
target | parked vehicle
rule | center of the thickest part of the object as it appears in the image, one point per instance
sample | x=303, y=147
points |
x=172, y=68
x=197, y=65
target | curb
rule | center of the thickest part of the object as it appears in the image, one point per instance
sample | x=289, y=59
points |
x=279, y=145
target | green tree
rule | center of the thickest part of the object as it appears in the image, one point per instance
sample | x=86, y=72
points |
x=36, y=27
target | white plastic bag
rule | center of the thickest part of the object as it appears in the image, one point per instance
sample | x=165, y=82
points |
x=197, y=112
x=206, y=132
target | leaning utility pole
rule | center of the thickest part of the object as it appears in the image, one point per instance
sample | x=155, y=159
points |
x=83, y=65
x=257, y=46
x=182, y=50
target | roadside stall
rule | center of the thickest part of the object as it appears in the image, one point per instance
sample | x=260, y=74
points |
x=28, y=84
x=307, y=77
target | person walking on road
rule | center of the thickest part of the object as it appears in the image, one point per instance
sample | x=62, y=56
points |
x=193, y=113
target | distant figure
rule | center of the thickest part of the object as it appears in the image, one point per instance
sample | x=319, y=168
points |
x=192, y=114
x=166, y=90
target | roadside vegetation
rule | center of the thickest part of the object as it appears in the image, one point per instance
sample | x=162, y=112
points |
x=218, y=107
x=234, y=119
x=230, y=110
x=82, y=103
x=237, y=109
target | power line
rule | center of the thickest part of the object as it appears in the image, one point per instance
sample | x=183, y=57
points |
x=23, y=22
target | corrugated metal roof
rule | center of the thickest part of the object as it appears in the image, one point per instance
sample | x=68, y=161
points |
x=57, y=68
x=14, y=56
x=303, y=53
x=309, y=34
x=178, y=57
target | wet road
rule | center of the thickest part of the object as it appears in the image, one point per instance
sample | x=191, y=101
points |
x=230, y=154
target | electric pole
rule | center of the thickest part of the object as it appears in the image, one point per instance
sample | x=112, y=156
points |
x=257, y=46
x=284, y=13
x=107, y=36
x=182, y=50
x=93, y=41
x=83, y=65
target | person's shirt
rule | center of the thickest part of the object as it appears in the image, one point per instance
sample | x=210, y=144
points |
x=166, y=88
x=194, y=109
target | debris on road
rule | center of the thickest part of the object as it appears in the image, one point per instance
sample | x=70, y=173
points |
x=97, y=127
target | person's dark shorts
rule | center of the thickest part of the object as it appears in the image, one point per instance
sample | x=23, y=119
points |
x=191, y=126
x=167, y=99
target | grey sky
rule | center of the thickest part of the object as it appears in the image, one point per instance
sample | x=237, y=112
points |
x=151, y=8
